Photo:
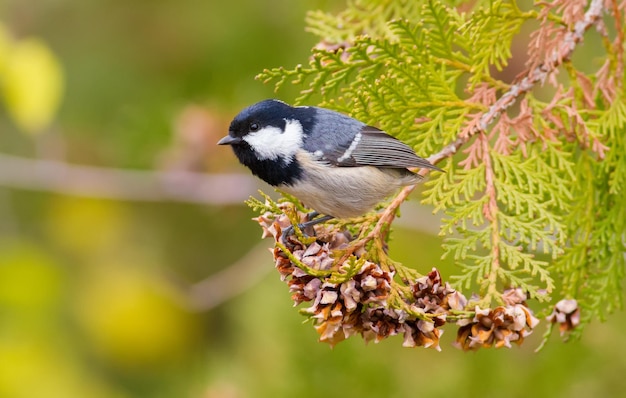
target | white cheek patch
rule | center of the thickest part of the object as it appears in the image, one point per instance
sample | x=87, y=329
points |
x=271, y=143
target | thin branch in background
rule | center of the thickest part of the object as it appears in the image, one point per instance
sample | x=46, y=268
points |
x=122, y=184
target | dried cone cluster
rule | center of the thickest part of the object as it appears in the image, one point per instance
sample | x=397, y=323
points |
x=432, y=296
x=356, y=299
x=567, y=314
x=499, y=326
x=358, y=304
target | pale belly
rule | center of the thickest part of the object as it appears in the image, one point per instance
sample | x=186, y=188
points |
x=345, y=192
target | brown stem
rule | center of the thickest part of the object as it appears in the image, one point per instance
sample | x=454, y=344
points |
x=491, y=214
x=619, y=41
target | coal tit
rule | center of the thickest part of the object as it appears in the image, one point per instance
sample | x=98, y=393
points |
x=336, y=165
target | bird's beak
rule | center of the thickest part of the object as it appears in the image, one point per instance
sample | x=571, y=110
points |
x=229, y=140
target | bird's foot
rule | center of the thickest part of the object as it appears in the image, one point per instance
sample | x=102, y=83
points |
x=303, y=226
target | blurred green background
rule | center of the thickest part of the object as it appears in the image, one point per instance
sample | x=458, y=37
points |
x=114, y=298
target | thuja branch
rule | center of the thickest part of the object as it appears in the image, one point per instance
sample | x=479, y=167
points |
x=480, y=123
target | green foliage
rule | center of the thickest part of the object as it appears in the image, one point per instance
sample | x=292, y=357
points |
x=489, y=33
x=536, y=197
x=359, y=17
x=594, y=263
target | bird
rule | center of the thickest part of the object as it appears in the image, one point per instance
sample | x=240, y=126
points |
x=336, y=165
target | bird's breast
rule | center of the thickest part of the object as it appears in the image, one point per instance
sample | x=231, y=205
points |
x=344, y=192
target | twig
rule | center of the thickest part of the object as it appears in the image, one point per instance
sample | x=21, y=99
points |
x=121, y=184
x=619, y=41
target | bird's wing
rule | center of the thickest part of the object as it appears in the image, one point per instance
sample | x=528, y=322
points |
x=374, y=147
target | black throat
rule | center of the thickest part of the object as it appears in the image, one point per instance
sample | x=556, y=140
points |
x=273, y=171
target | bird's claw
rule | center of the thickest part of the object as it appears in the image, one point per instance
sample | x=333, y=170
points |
x=290, y=230
x=286, y=232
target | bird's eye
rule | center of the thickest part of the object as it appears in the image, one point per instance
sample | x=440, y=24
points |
x=254, y=127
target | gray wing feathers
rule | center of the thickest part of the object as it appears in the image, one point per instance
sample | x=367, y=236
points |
x=377, y=148
x=335, y=134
